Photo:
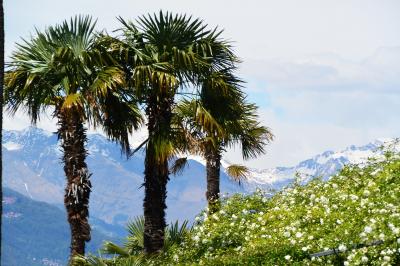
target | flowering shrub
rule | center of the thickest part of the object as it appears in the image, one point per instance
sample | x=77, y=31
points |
x=357, y=207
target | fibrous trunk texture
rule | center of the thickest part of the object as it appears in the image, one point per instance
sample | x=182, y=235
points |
x=213, y=165
x=72, y=134
x=156, y=173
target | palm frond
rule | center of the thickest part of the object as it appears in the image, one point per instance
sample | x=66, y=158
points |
x=89, y=260
x=178, y=166
x=113, y=249
x=238, y=172
x=134, y=241
x=176, y=233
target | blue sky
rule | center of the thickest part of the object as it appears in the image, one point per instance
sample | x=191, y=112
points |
x=326, y=74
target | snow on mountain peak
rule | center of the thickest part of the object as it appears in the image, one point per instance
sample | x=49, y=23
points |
x=322, y=165
x=11, y=146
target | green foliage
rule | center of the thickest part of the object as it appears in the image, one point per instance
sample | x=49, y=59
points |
x=237, y=172
x=164, y=55
x=356, y=207
x=67, y=66
x=132, y=251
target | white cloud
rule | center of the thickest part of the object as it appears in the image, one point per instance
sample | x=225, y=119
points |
x=259, y=28
x=314, y=67
x=377, y=72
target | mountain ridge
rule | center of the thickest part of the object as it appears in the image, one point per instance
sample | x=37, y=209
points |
x=33, y=168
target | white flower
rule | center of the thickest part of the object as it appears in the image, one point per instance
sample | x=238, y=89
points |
x=176, y=258
x=215, y=217
x=395, y=230
x=353, y=197
x=368, y=229
x=338, y=221
x=364, y=259
x=298, y=234
x=196, y=238
x=287, y=257
x=286, y=234
x=342, y=248
x=386, y=258
x=264, y=200
x=304, y=248
x=346, y=263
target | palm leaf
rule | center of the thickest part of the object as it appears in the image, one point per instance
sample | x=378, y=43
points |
x=113, y=249
x=237, y=172
x=178, y=166
x=176, y=233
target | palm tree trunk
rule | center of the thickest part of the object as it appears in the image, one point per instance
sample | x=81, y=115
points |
x=156, y=173
x=77, y=191
x=213, y=165
x=1, y=107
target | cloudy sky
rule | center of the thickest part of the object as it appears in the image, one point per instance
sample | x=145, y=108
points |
x=326, y=74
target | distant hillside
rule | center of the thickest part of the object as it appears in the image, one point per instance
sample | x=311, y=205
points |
x=32, y=167
x=37, y=233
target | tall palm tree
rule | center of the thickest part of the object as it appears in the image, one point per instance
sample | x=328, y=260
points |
x=165, y=54
x=236, y=123
x=1, y=106
x=65, y=68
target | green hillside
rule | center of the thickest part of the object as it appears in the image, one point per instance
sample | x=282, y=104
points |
x=35, y=233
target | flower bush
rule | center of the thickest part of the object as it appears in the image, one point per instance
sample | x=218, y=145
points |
x=358, y=206
x=356, y=212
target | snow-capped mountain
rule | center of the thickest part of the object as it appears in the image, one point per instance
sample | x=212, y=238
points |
x=32, y=166
x=322, y=165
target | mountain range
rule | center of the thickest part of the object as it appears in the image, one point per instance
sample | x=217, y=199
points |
x=32, y=167
x=34, y=186
x=37, y=233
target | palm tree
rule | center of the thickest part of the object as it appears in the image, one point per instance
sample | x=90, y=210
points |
x=165, y=54
x=65, y=68
x=133, y=246
x=237, y=123
x=132, y=250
